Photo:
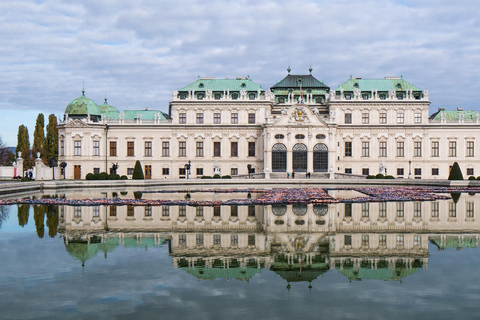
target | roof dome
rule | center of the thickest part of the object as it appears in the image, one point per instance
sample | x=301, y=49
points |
x=106, y=108
x=83, y=106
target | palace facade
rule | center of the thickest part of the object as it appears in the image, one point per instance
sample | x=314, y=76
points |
x=300, y=125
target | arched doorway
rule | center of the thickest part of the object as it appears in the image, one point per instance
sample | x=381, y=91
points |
x=279, y=158
x=299, y=158
x=320, y=158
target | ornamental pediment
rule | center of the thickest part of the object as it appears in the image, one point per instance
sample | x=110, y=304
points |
x=300, y=114
x=77, y=123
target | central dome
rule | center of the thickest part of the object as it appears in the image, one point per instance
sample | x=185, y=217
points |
x=83, y=107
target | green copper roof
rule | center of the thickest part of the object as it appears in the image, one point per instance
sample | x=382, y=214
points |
x=384, y=274
x=82, y=251
x=387, y=84
x=222, y=273
x=469, y=115
x=145, y=114
x=294, y=81
x=454, y=242
x=83, y=106
x=213, y=84
x=106, y=108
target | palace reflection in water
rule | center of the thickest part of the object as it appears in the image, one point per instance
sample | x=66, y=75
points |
x=387, y=240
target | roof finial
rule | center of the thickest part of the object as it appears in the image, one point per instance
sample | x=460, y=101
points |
x=105, y=101
x=83, y=87
x=310, y=69
x=288, y=69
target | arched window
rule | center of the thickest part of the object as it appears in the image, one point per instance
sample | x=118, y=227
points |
x=320, y=209
x=299, y=209
x=279, y=209
x=299, y=157
x=279, y=158
x=320, y=158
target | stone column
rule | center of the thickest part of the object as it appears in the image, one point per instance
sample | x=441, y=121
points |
x=19, y=165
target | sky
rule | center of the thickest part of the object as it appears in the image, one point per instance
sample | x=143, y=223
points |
x=137, y=52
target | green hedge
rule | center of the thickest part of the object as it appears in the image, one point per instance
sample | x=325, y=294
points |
x=138, y=171
x=455, y=173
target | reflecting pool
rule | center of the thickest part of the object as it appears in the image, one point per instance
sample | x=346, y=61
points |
x=371, y=260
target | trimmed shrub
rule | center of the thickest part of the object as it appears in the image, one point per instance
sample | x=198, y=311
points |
x=206, y=177
x=90, y=176
x=124, y=177
x=455, y=173
x=370, y=177
x=389, y=177
x=478, y=178
x=226, y=177
x=138, y=171
x=103, y=176
x=113, y=176
x=380, y=176
x=472, y=178
x=138, y=195
x=455, y=196
x=217, y=176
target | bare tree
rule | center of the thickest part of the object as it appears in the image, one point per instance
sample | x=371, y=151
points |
x=6, y=156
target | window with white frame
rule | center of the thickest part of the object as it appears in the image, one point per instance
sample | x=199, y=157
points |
x=217, y=118
x=417, y=240
x=452, y=148
x=62, y=147
x=400, y=117
x=452, y=209
x=365, y=149
x=418, y=117
x=383, y=118
x=199, y=149
x=417, y=149
x=417, y=209
x=470, y=149
x=165, y=148
x=382, y=148
x=182, y=118
x=365, y=240
x=400, y=240
x=435, y=209
x=365, y=210
x=365, y=118
x=234, y=118
x=148, y=148
x=382, y=209
x=400, y=209
x=77, y=145
x=400, y=149
x=182, y=148
x=435, y=149
x=470, y=209
x=382, y=240
x=348, y=118
x=470, y=171
x=199, y=118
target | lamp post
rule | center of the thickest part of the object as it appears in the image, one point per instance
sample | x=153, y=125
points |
x=410, y=169
x=249, y=168
x=63, y=165
x=187, y=167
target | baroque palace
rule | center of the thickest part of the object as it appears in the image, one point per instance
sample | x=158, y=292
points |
x=300, y=125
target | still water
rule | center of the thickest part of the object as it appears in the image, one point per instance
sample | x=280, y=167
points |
x=415, y=260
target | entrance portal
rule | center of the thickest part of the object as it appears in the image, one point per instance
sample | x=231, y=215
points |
x=279, y=158
x=299, y=158
x=320, y=158
x=77, y=172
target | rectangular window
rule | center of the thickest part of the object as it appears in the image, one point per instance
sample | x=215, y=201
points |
x=417, y=209
x=470, y=149
x=400, y=171
x=182, y=118
x=400, y=209
x=400, y=118
x=182, y=148
x=400, y=239
x=382, y=149
x=199, y=211
x=234, y=171
x=165, y=211
x=77, y=212
x=217, y=118
x=234, y=211
x=182, y=211
x=148, y=148
x=470, y=172
x=383, y=118
x=365, y=210
x=452, y=148
x=96, y=170
x=182, y=240
x=251, y=239
x=365, y=171
x=216, y=239
x=199, y=171
x=199, y=238
x=113, y=148
x=234, y=118
x=96, y=148
x=148, y=211
x=348, y=148
x=348, y=210
x=365, y=149
x=417, y=149
x=129, y=171
x=452, y=209
x=382, y=209
x=182, y=171
x=130, y=148
x=234, y=149
x=435, y=148
x=400, y=149
x=216, y=211
x=435, y=171
x=365, y=240
x=418, y=118
x=251, y=118
x=62, y=147
x=382, y=240
x=365, y=118
x=199, y=149
x=251, y=211
x=77, y=144
x=435, y=209
x=113, y=211
x=251, y=149
x=165, y=171
x=417, y=240
x=217, y=149
x=470, y=210
x=165, y=149
x=130, y=211
x=348, y=170
x=234, y=240
x=347, y=239
x=96, y=211
x=199, y=118
x=348, y=118
x=417, y=171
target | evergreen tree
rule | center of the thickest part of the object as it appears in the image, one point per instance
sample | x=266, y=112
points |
x=39, y=137
x=52, y=220
x=455, y=172
x=23, y=145
x=39, y=218
x=138, y=171
x=51, y=139
x=23, y=212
